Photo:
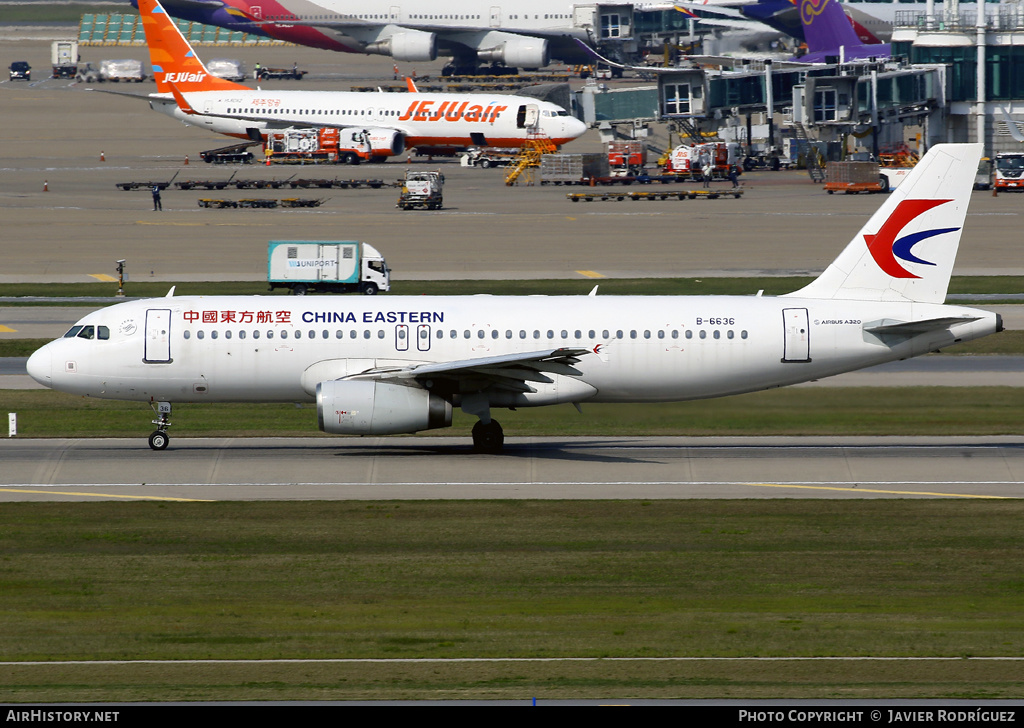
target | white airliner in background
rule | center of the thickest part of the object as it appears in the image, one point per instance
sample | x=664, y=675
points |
x=390, y=364
x=392, y=122
x=523, y=34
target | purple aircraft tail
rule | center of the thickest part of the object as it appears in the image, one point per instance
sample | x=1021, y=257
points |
x=826, y=26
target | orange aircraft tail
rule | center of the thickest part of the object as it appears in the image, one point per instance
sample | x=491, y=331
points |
x=173, y=60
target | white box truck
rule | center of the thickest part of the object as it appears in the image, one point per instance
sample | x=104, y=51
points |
x=64, y=58
x=307, y=266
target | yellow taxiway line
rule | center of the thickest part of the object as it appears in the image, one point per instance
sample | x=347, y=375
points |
x=105, y=495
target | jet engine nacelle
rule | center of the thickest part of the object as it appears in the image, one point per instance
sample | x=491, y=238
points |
x=409, y=45
x=368, y=407
x=518, y=52
x=386, y=142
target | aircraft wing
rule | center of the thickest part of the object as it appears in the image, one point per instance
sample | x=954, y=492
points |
x=510, y=372
x=707, y=60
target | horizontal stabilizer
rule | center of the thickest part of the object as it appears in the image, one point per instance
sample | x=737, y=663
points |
x=913, y=328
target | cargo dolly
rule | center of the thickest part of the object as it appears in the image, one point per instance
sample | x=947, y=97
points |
x=659, y=195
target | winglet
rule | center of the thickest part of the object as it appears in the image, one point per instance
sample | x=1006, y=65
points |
x=411, y=85
x=1011, y=125
x=185, y=106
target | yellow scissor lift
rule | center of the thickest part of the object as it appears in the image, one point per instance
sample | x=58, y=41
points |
x=528, y=159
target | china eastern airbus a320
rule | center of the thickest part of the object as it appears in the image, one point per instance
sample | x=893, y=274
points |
x=382, y=365
x=392, y=122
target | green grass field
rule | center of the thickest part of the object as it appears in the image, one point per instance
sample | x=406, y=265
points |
x=524, y=579
x=790, y=411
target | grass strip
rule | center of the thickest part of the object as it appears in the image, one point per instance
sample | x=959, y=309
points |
x=530, y=579
x=792, y=411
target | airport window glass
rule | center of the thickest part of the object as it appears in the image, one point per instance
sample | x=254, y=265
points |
x=241, y=334
x=270, y=333
x=522, y=334
x=298, y=334
x=480, y=334
x=466, y=334
x=591, y=334
x=256, y=334
x=743, y=334
x=227, y=334
x=604, y=334
x=380, y=333
x=508, y=333
x=326, y=334
x=730, y=334
x=632, y=334
x=675, y=333
x=213, y=334
x=200, y=334
x=579, y=334
x=717, y=334
x=440, y=334
x=703, y=334
x=494, y=334
x=453, y=334
x=353, y=334
x=565, y=334
x=536, y=334
x=551, y=334
x=187, y=334
x=689, y=334
x=647, y=334
x=284, y=334
x=661, y=334
x=618, y=334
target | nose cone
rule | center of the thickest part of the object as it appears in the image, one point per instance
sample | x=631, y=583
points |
x=40, y=366
x=574, y=127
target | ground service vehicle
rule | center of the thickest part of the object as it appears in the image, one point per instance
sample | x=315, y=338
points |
x=487, y=158
x=87, y=73
x=329, y=144
x=262, y=74
x=64, y=58
x=122, y=69
x=627, y=158
x=684, y=160
x=329, y=266
x=229, y=68
x=422, y=189
x=1009, y=172
x=21, y=71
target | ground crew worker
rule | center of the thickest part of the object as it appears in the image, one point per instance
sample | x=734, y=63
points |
x=157, y=205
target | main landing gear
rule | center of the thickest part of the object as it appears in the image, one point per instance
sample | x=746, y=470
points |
x=159, y=440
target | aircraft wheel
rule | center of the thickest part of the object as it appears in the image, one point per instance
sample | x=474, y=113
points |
x=489, y=438
x=159, y=440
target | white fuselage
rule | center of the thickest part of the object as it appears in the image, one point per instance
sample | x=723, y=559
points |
x=641, y=349
x=425, y=119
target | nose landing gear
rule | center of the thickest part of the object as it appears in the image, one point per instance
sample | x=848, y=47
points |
x=159, y=439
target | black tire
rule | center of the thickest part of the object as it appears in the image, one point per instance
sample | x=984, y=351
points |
x=748, y=163
x=299, y=289
x=883, y=183
x=370, y=289
x=159, y=440
x=775, y=164
x=485, y=163
x=489, y=438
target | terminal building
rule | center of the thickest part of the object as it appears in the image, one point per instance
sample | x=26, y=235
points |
x=956, y=75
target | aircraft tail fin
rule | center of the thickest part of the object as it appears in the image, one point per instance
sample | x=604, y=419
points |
x=826, y=26
x=172, y=57
x=907, y=249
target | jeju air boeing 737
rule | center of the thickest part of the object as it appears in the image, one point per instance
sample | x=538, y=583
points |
x=379, y=365
x=393, y=122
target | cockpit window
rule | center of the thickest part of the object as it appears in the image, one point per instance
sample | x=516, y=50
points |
x=72, y=332
x=102, y=333
x=87, y=332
